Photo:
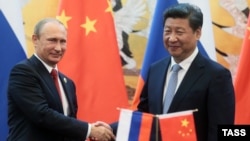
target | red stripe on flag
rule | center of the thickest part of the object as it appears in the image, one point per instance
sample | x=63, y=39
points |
x=146, y=125
x=136, y=98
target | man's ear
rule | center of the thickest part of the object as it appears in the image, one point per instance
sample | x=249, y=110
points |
x=198, y=33
x=34, y=40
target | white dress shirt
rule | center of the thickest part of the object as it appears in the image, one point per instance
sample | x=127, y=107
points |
x=185, y=64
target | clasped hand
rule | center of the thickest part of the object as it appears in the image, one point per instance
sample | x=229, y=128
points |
x=101, y=131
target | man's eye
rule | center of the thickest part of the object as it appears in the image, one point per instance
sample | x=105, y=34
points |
x=179, y=32
x=167, y=31
x=52, y=40
x=63, y=41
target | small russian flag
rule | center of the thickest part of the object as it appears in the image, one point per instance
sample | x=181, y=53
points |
x=134, y=126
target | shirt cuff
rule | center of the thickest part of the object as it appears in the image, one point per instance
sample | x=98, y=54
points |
x=89, y=130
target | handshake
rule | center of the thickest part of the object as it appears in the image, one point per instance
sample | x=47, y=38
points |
x=101, y=131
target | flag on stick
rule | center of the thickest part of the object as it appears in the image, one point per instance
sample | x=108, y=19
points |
x=134, y=126
x=178, y=126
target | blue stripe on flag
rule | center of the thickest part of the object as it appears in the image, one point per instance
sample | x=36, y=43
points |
x=11, y=52
x=202, y=50
x=135, y=126
x=155, y=48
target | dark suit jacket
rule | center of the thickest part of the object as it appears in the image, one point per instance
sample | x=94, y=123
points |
x=207, y=86
x=35, y=111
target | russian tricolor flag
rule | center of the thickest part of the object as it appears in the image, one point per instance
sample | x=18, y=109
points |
x=134, y=126
x=12, y=50
x=155, y=49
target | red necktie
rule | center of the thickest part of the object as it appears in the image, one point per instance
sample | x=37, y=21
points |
x=55, y=78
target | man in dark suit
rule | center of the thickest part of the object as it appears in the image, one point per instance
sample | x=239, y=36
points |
x=202, y=83
x=37, y=111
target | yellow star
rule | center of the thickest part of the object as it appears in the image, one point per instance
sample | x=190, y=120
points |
x=89, y=25
x=184, y=123
x=63, y=18
x=109, y=9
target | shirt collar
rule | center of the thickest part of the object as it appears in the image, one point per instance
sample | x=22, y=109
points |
x=186, y=62
x=49, y=68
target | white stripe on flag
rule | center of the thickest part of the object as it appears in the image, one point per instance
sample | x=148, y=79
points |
x=124, y=125
x=11, y=9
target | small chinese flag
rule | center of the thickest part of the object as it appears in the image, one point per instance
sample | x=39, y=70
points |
x=178, y=126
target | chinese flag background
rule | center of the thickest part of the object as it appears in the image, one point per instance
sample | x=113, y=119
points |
x=242, y=81
x=92, y=59
x=179, y=127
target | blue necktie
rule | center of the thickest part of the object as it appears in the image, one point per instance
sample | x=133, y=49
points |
x=171, y=88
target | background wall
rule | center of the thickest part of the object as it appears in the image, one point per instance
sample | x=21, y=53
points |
x=229, y=19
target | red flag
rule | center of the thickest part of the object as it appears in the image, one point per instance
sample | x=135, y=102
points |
x=242, y=81
x=92, y=59
x=178, y=126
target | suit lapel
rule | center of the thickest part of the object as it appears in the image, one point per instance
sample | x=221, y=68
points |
x=67, y=91
x=46, y=78
x=195, y=71
x=157, y=86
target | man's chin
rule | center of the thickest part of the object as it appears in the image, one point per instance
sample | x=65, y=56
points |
x=55, y=60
